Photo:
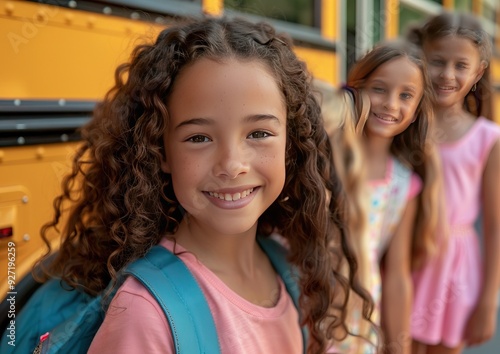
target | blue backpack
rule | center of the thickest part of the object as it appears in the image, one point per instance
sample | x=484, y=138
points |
x=59, y=321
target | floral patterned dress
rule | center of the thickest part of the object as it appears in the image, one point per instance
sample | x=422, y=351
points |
x=388, y=199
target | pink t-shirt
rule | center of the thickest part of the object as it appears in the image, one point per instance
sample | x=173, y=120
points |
x=135, y=323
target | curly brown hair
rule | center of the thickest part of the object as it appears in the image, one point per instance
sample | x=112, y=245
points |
x=118, y=213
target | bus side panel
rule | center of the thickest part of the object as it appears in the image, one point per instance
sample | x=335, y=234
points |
x=322, y=64
x=30, y=179
x=51, y=52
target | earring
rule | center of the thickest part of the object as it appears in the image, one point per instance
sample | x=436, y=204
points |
x=474, y=87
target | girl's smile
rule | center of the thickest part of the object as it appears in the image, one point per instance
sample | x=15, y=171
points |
x=385, y=118
x=228, y=200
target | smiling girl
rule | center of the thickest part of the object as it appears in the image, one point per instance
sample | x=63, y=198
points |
x=211, y=139
x=402, y=173
x=456, y=293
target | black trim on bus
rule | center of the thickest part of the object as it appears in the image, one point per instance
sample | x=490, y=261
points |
x=62, y=105
x=28, y=122
x=164, y=12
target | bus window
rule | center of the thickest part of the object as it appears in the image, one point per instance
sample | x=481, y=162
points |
x=300, y=11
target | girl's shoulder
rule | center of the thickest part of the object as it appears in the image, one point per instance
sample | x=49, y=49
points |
x=407, y=177
x=482, y=133
x=485, y=134
x=487, y=126
x=133, y=323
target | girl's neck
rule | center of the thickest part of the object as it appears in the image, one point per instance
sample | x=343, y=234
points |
x=377, y=152
x=237, y=260
x=444, y=114
x=451, y=123
x=217, y=251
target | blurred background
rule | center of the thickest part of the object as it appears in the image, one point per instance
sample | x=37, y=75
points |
x=57, y=59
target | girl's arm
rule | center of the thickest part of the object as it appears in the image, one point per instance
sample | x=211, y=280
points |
x=397, y=285
x=482, y=323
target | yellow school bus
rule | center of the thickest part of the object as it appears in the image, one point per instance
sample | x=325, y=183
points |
x=57, y=59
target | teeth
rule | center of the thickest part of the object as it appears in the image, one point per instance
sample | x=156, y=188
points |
x=445, y=87
x=390, y=119
x=231, y=197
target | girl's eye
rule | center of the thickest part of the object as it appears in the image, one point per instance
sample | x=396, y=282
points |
x=406, y=96
x=259, y=135
x=198, y=139
x=378, y=89
x=461, y=66
x=437, y=62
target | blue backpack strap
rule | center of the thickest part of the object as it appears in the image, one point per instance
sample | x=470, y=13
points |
x=169, y=280
x=278, y=256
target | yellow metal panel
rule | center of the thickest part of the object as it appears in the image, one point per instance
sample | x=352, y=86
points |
x=329, y=19
x=321, y=63
x=495, y=69
x=496, y=104
x=495, y=78
x=449, y=4
x=477, y=7
x=53, y=52
x=30, y=178
x=391, y=18
x=213, y=7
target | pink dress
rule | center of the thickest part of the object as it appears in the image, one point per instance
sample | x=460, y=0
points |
x=447, y=288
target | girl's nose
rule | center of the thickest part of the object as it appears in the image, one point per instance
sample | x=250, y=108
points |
x=391, y=102
x=232, y=161
x=447, y=72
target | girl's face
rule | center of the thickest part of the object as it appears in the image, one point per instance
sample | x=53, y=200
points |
x=454, y=67
x=225, y=143
x=395, y=89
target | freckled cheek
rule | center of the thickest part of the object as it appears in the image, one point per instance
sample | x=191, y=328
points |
x=274, y=162
x=186, y=171
x=187, y=184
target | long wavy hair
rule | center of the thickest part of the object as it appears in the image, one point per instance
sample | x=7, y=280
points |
x=337, y=107
x=340, y=119
x=123, y=204
x=414, y=147
x=478, y=102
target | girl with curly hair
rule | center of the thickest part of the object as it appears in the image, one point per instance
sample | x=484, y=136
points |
x=210, y=137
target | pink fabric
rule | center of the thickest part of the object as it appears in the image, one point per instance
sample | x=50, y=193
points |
x=135, y=322
x=447, y=288
x=415, y=186
x=415, y=181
